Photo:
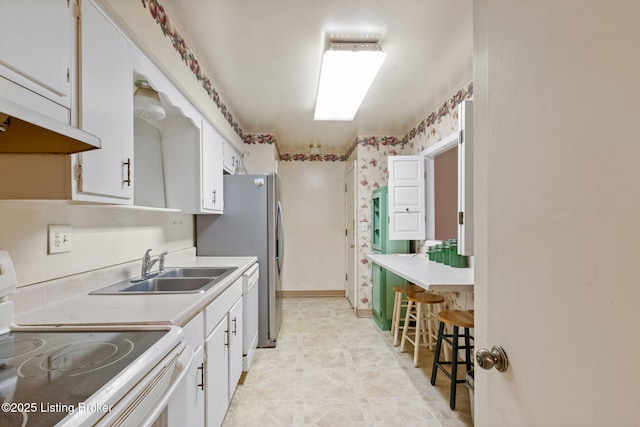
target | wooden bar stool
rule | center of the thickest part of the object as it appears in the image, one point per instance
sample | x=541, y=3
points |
x=457, y=319
x=420, y=309
x=399, y=303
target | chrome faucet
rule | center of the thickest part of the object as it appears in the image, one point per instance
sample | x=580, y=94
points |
x=147, y=263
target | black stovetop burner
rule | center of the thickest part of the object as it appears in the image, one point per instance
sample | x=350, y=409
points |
x=46, y=375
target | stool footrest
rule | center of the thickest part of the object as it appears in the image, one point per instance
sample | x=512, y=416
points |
x=448, y=374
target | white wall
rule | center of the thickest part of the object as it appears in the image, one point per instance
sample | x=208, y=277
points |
x=101, y=236
x=261, y=158
x=313, y=201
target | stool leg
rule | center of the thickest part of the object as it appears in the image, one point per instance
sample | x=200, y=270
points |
x=405, y=327
x=436, y=357
x=418, y=336
x=430, y=318
x=454, y=369
x=395, y=319
x=467, y=343
x=425, y=324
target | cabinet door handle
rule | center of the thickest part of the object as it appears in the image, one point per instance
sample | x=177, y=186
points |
x=128, y=165
x=201, y=369
x=226, y=338
x=214, y=196
x=234, y=326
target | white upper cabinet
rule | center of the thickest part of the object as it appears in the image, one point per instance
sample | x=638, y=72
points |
x=231, y=158
x=211, y=163
x=106, y=110
x=406, y=198
x=37, y=42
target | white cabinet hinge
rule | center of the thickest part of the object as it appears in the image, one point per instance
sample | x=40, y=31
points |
x=461, y=136
x=460, y=218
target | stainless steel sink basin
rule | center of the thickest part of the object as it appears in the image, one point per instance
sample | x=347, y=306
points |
x=168, y=284
x=179, y=280
x=197, y=272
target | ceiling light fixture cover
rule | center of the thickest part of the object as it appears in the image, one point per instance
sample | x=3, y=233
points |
x=348, y=70
x=146, y=102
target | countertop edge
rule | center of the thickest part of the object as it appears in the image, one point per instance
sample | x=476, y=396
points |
x=415, y=270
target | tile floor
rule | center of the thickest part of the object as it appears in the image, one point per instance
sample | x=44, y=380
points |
x=333, y=369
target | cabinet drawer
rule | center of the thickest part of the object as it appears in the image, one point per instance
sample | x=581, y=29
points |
x=221, y=305
x=250, y=278
x=194, y=331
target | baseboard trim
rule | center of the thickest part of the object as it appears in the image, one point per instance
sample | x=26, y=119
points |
x=364, y=312
x=318, y=293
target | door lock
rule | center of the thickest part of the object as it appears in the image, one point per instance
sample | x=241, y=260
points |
x=495, y=358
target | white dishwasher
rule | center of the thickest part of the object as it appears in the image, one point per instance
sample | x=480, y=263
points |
x=250, y=315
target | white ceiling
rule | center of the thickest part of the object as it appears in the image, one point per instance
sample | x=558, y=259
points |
x=264, y=59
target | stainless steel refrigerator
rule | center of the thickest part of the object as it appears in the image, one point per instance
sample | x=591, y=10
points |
x=251, y=225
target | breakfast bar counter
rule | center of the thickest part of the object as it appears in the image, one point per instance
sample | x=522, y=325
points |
x=430, y=275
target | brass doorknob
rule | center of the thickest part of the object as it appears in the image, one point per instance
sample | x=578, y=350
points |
x=495, y=358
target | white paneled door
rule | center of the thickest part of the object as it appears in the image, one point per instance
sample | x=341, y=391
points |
x=557, y=202
x=350, y=204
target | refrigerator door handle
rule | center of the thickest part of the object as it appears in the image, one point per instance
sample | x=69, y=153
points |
x=279, y=238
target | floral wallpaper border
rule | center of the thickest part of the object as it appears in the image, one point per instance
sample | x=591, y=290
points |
x=304, y=157
x=260, y=138
x=159, y=14
x=443, y=111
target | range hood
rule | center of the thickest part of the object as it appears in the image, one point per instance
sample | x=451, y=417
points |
x=23, y=130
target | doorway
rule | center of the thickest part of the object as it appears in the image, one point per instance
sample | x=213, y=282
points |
x=350, y=233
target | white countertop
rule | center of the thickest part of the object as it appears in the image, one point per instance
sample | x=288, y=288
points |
x=174, y=309
x=430, y=275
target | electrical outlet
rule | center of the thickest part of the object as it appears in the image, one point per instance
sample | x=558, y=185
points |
x=59, y=239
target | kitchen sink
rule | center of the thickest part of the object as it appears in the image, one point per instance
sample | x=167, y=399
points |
x=179, y=280
x=168, y=284
x=197, y=272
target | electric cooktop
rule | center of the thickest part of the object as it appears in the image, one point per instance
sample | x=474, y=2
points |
x=45, y=376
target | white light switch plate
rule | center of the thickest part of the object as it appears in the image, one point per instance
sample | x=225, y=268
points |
x=59, y=239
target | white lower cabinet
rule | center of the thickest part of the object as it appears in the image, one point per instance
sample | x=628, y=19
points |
x=235, y=346
x=196, y=394
x=217, y=374
x=250, y=301
x=216, y=334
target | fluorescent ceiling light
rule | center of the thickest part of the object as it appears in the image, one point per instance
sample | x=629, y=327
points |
x=348, y=69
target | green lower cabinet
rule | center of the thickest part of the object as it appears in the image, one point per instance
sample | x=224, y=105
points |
x=382, y=295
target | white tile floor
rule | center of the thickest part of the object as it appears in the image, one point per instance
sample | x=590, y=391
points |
x=333, y=369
